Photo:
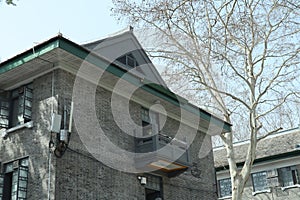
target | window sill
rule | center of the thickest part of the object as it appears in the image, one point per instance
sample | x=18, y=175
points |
x=227, y=197
x=4, y=132
x=260, y=192
x=289, y=187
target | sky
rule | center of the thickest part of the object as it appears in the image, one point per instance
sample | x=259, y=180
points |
x=34, y=21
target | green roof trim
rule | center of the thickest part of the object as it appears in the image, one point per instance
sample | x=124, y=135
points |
x=85, y=54
x=28, y=55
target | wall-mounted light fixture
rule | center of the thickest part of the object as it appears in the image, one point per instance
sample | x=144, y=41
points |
x=143, y=180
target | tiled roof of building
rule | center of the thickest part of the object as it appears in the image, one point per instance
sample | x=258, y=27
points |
x=280, y=143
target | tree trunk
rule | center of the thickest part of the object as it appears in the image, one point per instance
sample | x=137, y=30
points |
x=237, y=189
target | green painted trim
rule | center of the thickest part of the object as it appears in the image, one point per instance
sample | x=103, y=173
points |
x=84, y=54
x=29, y=55
x=290, y=154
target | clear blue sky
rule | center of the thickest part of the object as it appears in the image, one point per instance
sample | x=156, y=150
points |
x=34, y=21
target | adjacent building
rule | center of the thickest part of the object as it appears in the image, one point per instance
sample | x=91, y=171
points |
x=96, y=121
x=275, y=172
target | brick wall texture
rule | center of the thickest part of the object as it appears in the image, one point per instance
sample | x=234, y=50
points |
x=78, y=175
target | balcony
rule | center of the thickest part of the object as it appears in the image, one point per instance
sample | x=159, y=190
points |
x=162, y=153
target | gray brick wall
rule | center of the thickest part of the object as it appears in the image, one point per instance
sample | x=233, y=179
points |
x=34, y=142
x=107, y=183
x=78, y=175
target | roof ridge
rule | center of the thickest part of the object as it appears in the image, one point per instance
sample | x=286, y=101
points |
x=110, y=35
x=276, y=134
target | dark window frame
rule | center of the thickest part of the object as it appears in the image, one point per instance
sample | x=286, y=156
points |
x=150, y=122
x=16, y=106
x=154, y=187
x=257, y=179
x=288, y=176
x=226, y=182
x=128, y=60
x=14, y=180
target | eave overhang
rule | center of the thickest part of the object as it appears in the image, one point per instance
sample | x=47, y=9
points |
x=266, y=159
x=82, y=53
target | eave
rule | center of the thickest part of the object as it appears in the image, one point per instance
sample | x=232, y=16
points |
x=74, y=49
x=290, y=154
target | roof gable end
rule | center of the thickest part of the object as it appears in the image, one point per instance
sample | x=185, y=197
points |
x=116, y=49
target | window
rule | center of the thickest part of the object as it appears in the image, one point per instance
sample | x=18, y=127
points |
x=15, y=106
x=225, y=187
x=259, y=181
x=153, y=188
x=149, y=122
x=128, y=60
x=13, y=182
x=1, y=186
x=288, y=176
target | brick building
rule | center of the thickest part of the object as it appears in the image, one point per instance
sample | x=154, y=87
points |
x=96, y=121
x=275, y=172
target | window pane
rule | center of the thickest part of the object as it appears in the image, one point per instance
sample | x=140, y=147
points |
x=1, y=185
x=23, y=173
x=225, y=187
x=17, y=174
x=14, y=197
x=24, y=162
x=4, y=113
x=8, y=168
x=23, y=183
x=27, y=114
x=4, y=123
x=28, y=93
x=22, y=180
x=4, y=103
x=259, y=181
x=153, y=182
x=145, y=115
x=15, y=93
x=14, y=187
x=130, y=61
x=286, y=176
x=15, y=112
x=22, y=194
x=122, y=60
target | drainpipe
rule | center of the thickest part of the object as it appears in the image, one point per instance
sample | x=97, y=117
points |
x=51, y=144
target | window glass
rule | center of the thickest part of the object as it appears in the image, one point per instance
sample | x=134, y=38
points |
x=8, y=167
x=14, y=187
x=153, y=188
x=145, y=115
x=225, y=187
x=288, y=176
x=149, y=122
x=4, y=113
x=259, y=181
x=128, y=60
x=24, y=162
x=1, y=185
x=16, y=108
x=15, y=180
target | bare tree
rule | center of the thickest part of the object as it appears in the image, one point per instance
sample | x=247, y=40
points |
x=244, y=56
x=10, y=2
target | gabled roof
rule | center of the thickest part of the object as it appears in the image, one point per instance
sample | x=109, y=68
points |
x=58, y=51
x=276, y=146
x=124, y=42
